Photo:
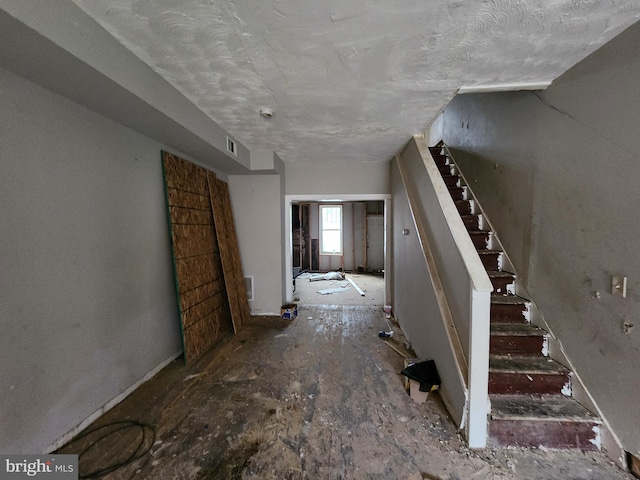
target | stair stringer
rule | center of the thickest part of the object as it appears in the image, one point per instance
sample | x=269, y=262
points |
x=608, y=442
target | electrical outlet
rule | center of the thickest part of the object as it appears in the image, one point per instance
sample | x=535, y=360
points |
x=619, y=285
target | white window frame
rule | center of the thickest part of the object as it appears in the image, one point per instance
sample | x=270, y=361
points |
x=323, y=229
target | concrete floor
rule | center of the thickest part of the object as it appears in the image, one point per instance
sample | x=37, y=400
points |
x=319, y=397
x=371, y=284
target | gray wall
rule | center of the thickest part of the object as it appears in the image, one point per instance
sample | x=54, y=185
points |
x=337, y=178
x=558, y=173
x=257, y=210
x=86, y=283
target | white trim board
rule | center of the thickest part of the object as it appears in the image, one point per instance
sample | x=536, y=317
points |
x=504, y=87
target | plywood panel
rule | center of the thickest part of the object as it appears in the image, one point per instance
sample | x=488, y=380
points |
x=189, y=216
x=198, y=271
x=189, y=200
x=229, y=251
x=200, y=285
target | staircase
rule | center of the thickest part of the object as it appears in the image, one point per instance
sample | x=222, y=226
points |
x=531, y=402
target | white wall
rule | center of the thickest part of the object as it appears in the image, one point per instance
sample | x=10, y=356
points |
x=257, y=202
x=557, y=172
x=337, y=178
x=86, y=286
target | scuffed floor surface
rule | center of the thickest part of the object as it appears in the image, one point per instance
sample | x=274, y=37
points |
x=319, y=397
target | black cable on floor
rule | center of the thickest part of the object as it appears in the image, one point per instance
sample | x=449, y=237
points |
x=139, y=452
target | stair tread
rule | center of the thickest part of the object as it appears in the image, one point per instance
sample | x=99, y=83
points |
x=526, y=365
x=517, y=329
x=498, y=298
x=539, y=408
x=500, y=273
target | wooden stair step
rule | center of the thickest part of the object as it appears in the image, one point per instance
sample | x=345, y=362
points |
x=553, y=421
x=490, y=259
x=451, y=180
x=480, y=239
x=526, y=365
x=509, y=309
x=517, y=339
x=457, y=193
x=438, y=150
x=464, y=207
x=501, y=280
x=527, y=375
x=440, y=159
x=444, y=169
x=472, y=222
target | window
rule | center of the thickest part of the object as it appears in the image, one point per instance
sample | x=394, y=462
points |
x=330, y=229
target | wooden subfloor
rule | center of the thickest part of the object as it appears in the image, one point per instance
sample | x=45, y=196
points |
x=319, y=397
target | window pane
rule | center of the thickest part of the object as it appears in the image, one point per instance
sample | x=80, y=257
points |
x=331, y=218
x=331, y=241
x=331, y=229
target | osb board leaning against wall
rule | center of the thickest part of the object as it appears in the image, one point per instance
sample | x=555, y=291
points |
x=229, y=251
x=199, y=276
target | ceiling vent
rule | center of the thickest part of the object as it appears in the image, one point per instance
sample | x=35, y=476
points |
x=231, y=147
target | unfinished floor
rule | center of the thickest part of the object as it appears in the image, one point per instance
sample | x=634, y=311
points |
x=371, y=284
x=319, y=397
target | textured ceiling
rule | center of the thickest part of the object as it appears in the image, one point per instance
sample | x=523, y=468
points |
x=351, y=80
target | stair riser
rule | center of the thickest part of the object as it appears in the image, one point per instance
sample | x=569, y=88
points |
x=490, y=261
x=439, y=159
x=516, y=345
x=464, y=207
x=527, y=384
x=435, y=150
x=500, y=313
x=444, y=169
x=451, y=180
x=551, y=434
x=471, y=222
x=500, y=284
x=480, y=240
x=457, y=193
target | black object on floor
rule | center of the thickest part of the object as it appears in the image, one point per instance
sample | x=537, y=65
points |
x=425, y=373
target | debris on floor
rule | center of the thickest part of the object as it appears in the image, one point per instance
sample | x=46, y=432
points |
x=329, y=291
x=355, y=285
x=315, y=277
x=289, y=311
x=423, y=379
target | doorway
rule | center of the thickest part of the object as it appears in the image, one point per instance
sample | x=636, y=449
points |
x=360, y=255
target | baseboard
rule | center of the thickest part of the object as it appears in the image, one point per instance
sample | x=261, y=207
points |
x=64, y=439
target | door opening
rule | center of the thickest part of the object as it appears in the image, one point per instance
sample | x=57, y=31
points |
x=345, y=239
